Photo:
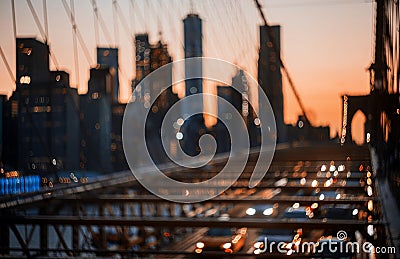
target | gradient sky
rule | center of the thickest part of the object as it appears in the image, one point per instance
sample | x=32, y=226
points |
x=327, y=44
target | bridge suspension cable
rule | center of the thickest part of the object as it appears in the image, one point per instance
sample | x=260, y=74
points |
x=75, y=47
x=71, y=17
x=46, y=24
x=42, y=31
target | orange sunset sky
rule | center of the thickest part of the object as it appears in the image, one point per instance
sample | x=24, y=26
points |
x=327, y=44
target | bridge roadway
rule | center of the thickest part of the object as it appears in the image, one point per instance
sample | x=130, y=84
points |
x=115, y=215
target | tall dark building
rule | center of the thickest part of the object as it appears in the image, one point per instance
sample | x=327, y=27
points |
x=41, y=120
x=96, y=114
x=219, y=130
x=159, y=57
x=269, y=74
x=48, y=125
x=142, y=47
x=150, y=57
x=109, y=57
x=194, y=127
x=32, y=61
x=193, y=40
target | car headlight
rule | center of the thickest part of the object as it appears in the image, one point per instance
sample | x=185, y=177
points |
x=250, y=211
x=200, y=245
x=268, y=212
x=227, y=245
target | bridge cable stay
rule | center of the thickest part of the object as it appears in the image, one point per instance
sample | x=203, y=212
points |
x=250, y=60
x=285, y=70
x=14, y=21
x=238, y=31
x=46, y=25
x=10, y=73
x=123, y=21
x=115, y=23
x=215, y=35
x=244, y=55
x=232, y=30
x=75, y=47
x=99, y=20
x=95, y=22
x=81, y=41
x=128, y=32
x=174, y=31
x=131, y=19
x=159, y=23
x=42, y=32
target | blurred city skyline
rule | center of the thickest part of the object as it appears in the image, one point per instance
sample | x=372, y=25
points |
x=326, y=45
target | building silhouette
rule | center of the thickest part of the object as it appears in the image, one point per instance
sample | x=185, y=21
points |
x=155, y=96
x=108, y=57
x=142, y=50
x=192, y=27
x=193, y=127
x=269, y=74
x=240, y=81
x=41, y=119
x=304, y=132
x=96, y=115
x=219, y=130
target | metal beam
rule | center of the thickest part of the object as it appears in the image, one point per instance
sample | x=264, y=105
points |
x=189, y=222
x=120, y=199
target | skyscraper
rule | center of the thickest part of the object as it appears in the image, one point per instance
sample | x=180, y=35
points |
x=193, y=41
x=194, y=127
x=96, y=107
x=269, y=74
x=159, y=57
x=32, y=61
x=42, y=119
x=220, y=131
x=109, y=57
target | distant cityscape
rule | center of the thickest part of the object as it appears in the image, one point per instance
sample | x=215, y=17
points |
x=48, y=128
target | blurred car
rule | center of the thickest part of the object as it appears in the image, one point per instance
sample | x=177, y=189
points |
x=295, y=213
x=339, y=211
x=277, y=241
x=222, y=239
x=327, y=194
x=262, y=210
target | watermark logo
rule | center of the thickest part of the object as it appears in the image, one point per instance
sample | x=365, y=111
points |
x=341, y=235
x=325, y=246
x=176, y=128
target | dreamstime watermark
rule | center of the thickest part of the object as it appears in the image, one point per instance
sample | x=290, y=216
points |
x=329, y=246
x=173, y=131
